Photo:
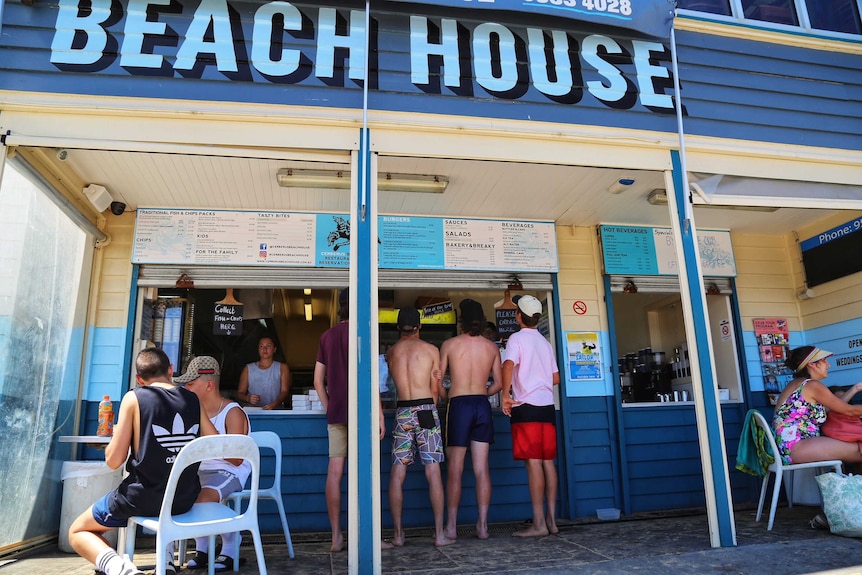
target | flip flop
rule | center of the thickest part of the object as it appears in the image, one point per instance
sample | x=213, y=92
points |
x=225, y=563
x=200, y=561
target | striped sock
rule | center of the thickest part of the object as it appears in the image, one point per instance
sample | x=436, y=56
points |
x=109, y=563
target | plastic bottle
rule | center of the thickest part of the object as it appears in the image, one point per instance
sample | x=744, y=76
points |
x=106, y=417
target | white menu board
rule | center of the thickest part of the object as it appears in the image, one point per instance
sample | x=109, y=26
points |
x=216, y=237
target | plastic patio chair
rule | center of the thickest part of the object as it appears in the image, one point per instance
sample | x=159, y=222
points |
x=267, y=440
x=204, y=519
x=779, y=469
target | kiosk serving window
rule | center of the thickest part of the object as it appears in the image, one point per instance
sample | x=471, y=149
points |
x=649, y=329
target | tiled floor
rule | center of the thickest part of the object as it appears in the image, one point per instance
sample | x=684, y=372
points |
x=650, y=544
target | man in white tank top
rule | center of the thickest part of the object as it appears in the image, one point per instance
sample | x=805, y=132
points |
x=266, y=382
x=219, y=477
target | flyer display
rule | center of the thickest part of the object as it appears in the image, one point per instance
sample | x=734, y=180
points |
x=773, y=344
x=585, y=356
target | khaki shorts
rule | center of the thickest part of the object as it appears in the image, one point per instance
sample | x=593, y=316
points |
x=337, y=439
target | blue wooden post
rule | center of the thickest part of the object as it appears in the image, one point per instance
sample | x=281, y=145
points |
x=707, y=406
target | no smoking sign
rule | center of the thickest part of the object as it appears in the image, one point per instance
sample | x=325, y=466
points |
x=579, y=307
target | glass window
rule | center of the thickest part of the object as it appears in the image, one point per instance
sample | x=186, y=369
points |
x=834, y=15
x=710, y=6
x=778, y=11
x=41, y=327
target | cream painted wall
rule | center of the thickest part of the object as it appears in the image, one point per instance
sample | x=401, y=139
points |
x=115, y=273
x=766, y=282
x=580, y=279
x=835, y=301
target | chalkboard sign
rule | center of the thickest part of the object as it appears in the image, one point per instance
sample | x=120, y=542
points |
x=506, y=323
x=227, y=319
x=833, y=254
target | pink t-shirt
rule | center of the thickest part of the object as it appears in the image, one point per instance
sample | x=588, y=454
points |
x=535, y=366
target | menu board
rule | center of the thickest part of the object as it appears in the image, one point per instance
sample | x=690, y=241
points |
x=634, y=250
x=323, y=240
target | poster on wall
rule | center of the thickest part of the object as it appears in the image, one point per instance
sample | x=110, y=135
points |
x=773, y=344
x=585, y=356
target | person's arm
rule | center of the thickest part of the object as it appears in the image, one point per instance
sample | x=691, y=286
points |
x=508, y=370
x=444, y=365
x=848, y=395
x=556, y=378
x=496, y=373
x=117, y=450
x=284, y=389
x=206, y=427
x=817, y=392
x=242, y=388
x=436, y=376
x=382, y=421
x=319, y=384
x=236, y=422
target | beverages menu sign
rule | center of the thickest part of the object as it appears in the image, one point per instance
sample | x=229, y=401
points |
x=217, y=237
x=634, y=250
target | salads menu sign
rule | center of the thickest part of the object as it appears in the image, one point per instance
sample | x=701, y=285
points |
x=216, y=237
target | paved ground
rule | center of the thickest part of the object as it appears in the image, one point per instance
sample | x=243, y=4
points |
x=648, y=544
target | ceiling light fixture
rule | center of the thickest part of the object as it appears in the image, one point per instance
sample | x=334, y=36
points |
x=621, y=185
x=307, y=310
x=658, y=197
x=340, y=180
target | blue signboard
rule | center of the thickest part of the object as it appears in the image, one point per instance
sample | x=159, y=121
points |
x=636, y=250
x=651, y=17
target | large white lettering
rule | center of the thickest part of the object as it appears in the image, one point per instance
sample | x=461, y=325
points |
x=263, y=29
x=137, y=28
x=444, y=54
x=617, y=85
x=210, y=13
x=647, y=71
x=70, y=24
x=539, y=65
x=421, y=48
x=485, y=36
x=328, y=40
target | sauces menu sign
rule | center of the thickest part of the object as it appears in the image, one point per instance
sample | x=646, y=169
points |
x=216, y=237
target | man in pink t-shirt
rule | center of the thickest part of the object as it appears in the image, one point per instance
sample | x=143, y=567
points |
x=529, y=375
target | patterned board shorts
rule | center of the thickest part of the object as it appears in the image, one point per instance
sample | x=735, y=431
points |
x=409, y=435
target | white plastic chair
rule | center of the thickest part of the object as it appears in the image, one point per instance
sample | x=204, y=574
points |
x=267, y=440
x=779, y=469
x=204, y=519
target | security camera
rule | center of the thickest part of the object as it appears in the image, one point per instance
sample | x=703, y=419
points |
x=117, y=208
x=62, y=154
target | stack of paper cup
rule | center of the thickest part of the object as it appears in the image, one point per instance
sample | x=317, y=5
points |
x=300, y=403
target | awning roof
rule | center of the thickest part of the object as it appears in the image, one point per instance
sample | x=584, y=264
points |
x=651, y=17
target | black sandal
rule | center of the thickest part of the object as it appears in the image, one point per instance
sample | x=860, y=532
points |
x=201, y=561
x=225, y=563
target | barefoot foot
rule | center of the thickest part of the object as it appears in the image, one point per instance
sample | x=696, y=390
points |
x=398, y=540
x=531, y=531
x=443, y=541
x=450, y=533
x=337, y=544
x=386, y=544
x=482, y=530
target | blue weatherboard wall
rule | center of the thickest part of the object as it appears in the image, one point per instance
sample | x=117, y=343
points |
x=731, y=88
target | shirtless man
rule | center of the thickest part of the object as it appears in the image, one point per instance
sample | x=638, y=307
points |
x=469, y=357
x=414, y=365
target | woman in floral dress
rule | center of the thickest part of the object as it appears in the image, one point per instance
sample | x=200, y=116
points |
x=801, y=410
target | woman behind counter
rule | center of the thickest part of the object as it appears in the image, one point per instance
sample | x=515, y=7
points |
x=801, y=410
x=266, y=382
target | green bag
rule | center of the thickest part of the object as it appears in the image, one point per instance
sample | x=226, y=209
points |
x=842, y=502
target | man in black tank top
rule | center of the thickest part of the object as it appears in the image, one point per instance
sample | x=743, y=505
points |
x=164, y=418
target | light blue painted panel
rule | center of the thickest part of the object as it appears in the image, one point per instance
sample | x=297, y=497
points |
x=844, y=339
x=104, y=368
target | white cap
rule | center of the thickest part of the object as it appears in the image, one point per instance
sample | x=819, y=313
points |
x=529, y=305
